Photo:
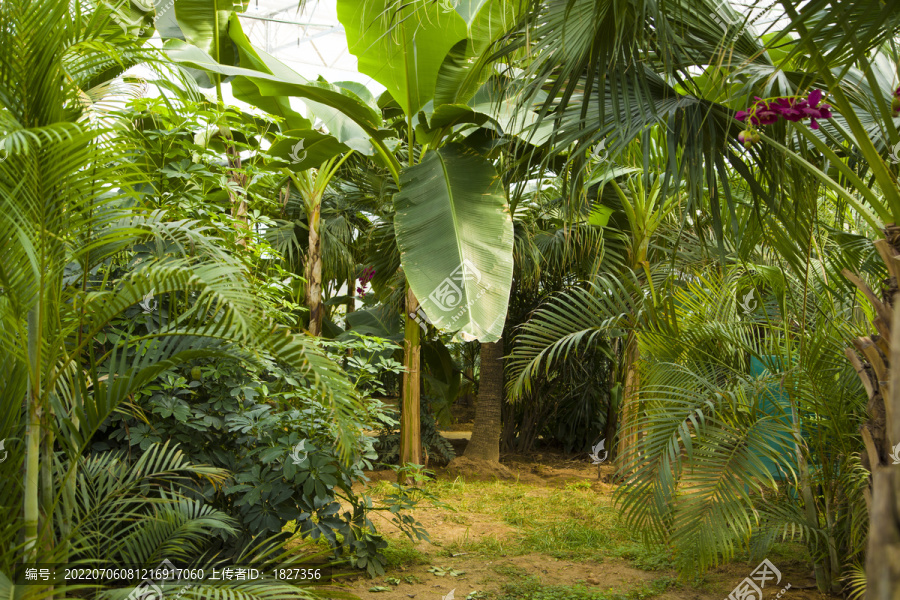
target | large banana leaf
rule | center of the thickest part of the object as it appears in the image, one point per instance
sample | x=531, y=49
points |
x=280, y=81
x=467, y=66
x=401, y=45
x=204, y=24
x=455, y=235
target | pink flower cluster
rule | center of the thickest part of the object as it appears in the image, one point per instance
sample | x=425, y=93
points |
x=367, y=275
x=790, y=108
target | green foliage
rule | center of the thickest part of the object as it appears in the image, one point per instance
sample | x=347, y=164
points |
x=453, y=224
x=272, y=432
x=388, y=444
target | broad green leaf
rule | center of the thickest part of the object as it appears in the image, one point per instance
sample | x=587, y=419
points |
x=510, y=115
x=198, y=20
x=442, y=121
x=380, y=321
x=306, y=149
x=246, y=90
x=467, y=66
x=455, y=236
x=401, y=45
x=280, y=81
x=599, y=216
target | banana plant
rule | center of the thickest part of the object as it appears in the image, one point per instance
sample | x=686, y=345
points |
x=453, y=226
x=414, y=50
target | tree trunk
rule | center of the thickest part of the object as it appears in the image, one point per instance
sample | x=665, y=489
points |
x=410, y=424
x=314, y=271
x=626, y=449
x=485, y=442
x=882, y=384
x=32, y=441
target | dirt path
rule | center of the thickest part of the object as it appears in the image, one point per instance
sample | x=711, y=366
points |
x=529, y=538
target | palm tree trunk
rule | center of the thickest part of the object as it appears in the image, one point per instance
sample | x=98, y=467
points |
x=410, y=424
x=314, y=271
x=485, y=442
x=879, y=372
x=628, y=438
x=32, y=441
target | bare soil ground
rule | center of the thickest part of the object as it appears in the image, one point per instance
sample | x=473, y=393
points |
x=486, y=545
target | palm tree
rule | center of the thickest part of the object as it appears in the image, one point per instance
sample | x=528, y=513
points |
x=311, y=185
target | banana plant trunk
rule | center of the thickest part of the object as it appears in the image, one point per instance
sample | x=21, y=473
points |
x=485, y=442
x=314, y=271
x=410, y=424
x=879, y=371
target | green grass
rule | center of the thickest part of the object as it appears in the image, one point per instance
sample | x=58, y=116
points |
x=574, y=523
x=401, y=551
x=530, y=588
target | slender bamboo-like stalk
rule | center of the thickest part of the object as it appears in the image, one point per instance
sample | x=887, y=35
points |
x=410, y=426
x=32, y=440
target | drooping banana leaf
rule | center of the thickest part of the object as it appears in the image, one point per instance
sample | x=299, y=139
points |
x=281, y=81
x=205, y=24
x=455, y=236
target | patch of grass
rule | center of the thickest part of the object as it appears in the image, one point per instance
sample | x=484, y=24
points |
x=489, y=546
x=648, y=558
x=789, y=552
x=458, y=519
x=511, y=571
x=575, y=486
x=380, y=488
x=530, y=588
x=401, y=551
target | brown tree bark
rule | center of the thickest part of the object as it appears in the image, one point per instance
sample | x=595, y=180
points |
x=410, y=424
x=485, y=442
x=879, y=371
x=314, y=271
